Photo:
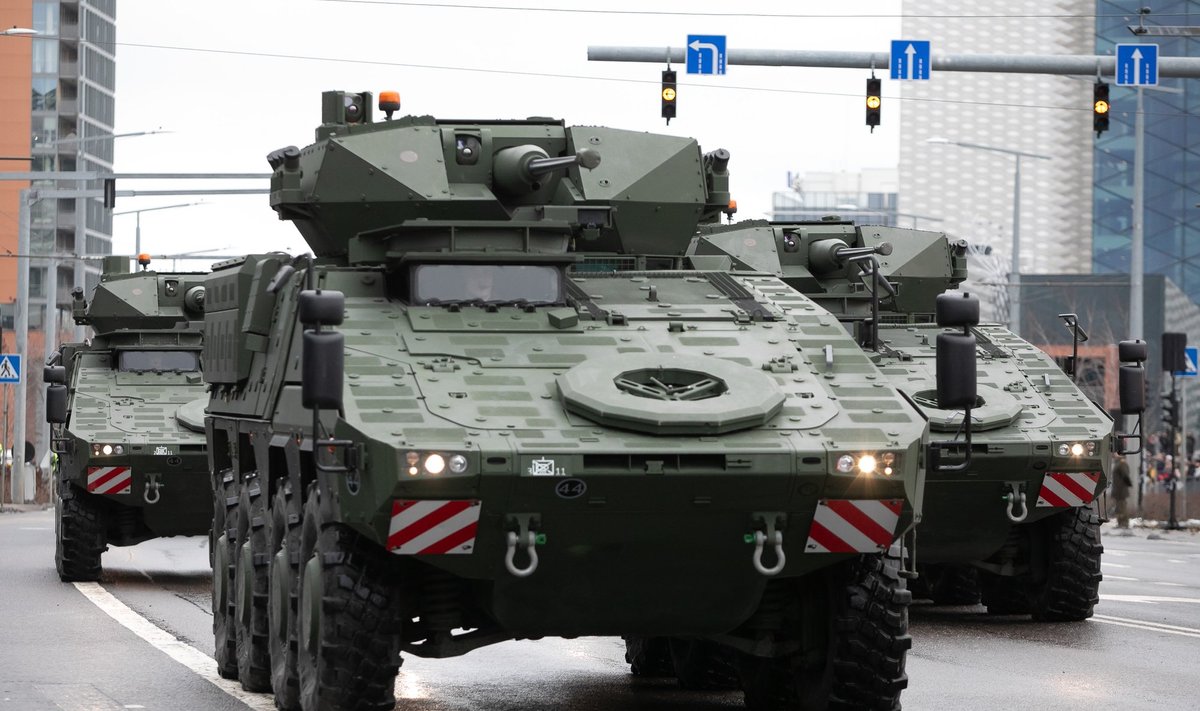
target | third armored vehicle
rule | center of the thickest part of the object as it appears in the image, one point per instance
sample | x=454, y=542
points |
x=127, y=414
x=1018, y=511
x=491, y=407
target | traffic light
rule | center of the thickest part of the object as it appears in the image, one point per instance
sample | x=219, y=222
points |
x=668, y=95
x=874, y=102
x=110, y=193
x=1100, y=107
x=1171, y=410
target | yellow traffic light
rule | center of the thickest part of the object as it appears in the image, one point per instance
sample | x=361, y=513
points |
x=668, y=94
x=872, y=102
x=1101, y=107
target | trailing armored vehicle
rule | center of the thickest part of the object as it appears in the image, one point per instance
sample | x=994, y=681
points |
x=461, y=423
x=127, y=417
x=1015, y=518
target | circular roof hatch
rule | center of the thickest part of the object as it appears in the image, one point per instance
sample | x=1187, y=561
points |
x=670, y=394
x=993, y=409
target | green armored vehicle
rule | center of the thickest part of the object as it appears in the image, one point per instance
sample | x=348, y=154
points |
x=127, y=417
x=1017, y=519
x=458, y=424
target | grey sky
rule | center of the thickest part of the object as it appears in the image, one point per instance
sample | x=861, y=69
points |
x=227, y=108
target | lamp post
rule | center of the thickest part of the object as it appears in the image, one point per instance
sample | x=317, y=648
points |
x=137, y=235
x=1014, y=278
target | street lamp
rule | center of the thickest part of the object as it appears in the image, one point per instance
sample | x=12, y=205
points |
x=137, y=239
x=1014, y=278
x=15, y=31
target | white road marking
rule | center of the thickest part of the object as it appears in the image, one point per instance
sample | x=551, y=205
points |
x=182, y=652
x=1174, y=560
x=34, y=528
x=1121, y=577
x=1173, y=585
x=1106, y=564
x=1114, y=553
x=1149, y=598
x=1148, y=626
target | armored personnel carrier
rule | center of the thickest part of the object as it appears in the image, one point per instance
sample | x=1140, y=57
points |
x=1015, y=518
x=492, y=407
x=127, y=417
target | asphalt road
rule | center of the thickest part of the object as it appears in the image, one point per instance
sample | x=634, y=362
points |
x=60, y=650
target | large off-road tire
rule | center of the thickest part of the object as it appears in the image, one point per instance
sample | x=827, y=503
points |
x=222, y=550
x=1004, y=594
x=1071, y=586
x=281, y=607
x=250, y=588
x=703, y=665
x=348, y=651
x=868, y=640
x=79, y=531
x=649, y=656
x=954, y=585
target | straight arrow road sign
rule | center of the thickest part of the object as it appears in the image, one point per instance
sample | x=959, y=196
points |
x=910, y=59
x=1137, y=65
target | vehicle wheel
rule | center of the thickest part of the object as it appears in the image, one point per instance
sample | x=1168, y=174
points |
x=649, y=656
x=954, y=585
x=703, y=665
x=866, y=618
x=1004, y=594
x=349, y=650
x=222, y=547
x=250, y=588
x=281, y=606
x=1071, y=587
x=79, y=532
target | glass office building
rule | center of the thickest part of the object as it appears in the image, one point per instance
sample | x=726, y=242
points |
x=1172, y=154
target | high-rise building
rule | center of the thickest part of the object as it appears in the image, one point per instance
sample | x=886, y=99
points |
x=970, y=189
x=57, y=108
x=867, y=196
x=1171, y=226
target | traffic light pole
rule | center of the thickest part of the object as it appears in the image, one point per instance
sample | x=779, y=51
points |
x=1174, y=472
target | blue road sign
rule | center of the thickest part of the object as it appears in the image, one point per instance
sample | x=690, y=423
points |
x=910, y=59
x=706, y=54
x=1192, y=355
x=10, y=368
x=1137, y=65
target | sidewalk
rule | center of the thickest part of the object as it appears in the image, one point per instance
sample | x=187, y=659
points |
x=1152, y=529
x=23, y=508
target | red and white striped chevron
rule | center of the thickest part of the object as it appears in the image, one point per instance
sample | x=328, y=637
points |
x=1068, y=489
x=433, y=527
x=110, y=480
x=853, y=525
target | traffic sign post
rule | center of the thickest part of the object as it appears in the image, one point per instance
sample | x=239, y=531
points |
x=706, y=54
x=910, y=59
x=1137, y=65
x=10, y=368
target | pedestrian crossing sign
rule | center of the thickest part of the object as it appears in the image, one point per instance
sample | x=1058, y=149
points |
x=1191, y=355
x=10, y=368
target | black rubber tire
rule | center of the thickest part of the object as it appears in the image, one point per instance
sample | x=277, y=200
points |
x=1004, y=594
x=703, y=665
x=348, y=650
x=222, y=543
x=649, y=656
x=954, y=585
x=281, y=610
x=867, y=618
x=1071, y=587
x=250, y=588
x=79, y=532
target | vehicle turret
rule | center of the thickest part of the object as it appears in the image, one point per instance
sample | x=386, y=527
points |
x=372, y=192
x=141, y=300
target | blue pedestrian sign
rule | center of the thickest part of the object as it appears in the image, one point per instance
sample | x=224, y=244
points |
x=706, y=54
x=1192, y=355
x=1137, y=65
x=910, y=59
x=10, y=368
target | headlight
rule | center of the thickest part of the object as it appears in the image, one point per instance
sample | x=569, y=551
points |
x=435, y=464
x=868, y=463
x=106, y=449
x=1077, y=449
